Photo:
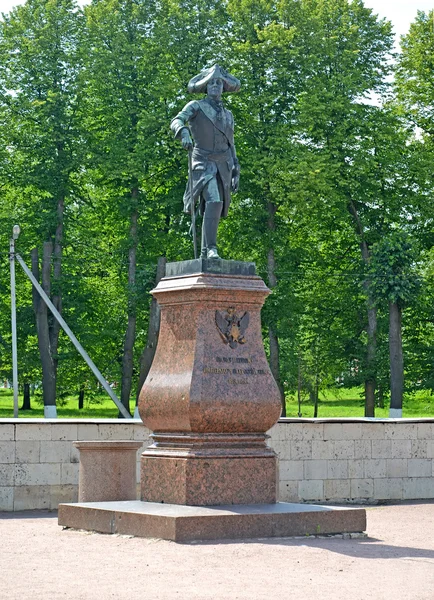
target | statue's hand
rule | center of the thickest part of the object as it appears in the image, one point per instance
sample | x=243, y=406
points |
x=235, y=182
x=235, y=177
x=186, y=141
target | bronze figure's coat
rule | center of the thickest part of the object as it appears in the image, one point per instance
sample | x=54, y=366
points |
x=214, y=150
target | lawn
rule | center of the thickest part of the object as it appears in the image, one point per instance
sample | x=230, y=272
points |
x=345, y=402
x=333, y=403
x=101, y=407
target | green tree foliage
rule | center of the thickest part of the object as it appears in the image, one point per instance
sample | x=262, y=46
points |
x=415, y=68
x=415, y=92
x=40, y=62
x=122, y=127
x=329, y=179
x=308, y=138
x=393, y=278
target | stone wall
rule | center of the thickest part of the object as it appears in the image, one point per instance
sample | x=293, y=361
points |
x=334, y=460
x=359, y=460
x=39, y=464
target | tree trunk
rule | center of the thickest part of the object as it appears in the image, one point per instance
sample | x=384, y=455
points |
x=274, y=365
x=380, y=396
x=315, y=396
x=130, y=334
x=371, y=347
x=47, y=326
x=81, y=397
x=396, y=360
x=148, y=353
x=56, y=287
x=272, y=329
x=369, y=398
x=41, y=314
x=26, y=397
x=299, y=387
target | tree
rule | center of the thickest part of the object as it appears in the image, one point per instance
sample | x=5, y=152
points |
x=131, y=89
x=307, y=67
x=40, y=63
x=263, y=58
x=415, y=85
x=347, y=60
x=120, y=61
x=394, y=279
x=415, y=93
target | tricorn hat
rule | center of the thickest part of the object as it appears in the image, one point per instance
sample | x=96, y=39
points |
x=198, y=83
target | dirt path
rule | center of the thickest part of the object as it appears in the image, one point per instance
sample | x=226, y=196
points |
x=38, y=560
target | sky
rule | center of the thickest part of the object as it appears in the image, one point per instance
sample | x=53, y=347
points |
x=400, y=12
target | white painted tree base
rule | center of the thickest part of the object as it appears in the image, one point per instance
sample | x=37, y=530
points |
x=50, y=412
x=395, y=413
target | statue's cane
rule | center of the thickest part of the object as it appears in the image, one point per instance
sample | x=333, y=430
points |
x=193, y=216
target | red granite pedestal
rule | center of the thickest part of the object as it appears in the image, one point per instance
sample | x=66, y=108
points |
x=209, y=399
x=210, y=396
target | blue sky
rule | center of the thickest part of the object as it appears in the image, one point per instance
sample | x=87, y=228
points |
x=400, y=12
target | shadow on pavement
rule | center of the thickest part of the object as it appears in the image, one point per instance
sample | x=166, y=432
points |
x=369, y=548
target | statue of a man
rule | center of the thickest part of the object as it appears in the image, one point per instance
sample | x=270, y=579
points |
x=215, y=168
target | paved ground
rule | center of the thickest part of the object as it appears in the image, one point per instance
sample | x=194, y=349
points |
x=38, y=560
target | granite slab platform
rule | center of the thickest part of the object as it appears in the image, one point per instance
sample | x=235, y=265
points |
x=181, y=523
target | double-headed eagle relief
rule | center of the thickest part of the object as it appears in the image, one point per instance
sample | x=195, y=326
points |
x=232, y=327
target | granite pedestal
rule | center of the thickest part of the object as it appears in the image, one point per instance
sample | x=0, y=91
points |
x=210, y=396
x=209, y=399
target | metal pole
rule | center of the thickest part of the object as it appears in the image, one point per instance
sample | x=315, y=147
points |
x=14, y=327
x=73, y=339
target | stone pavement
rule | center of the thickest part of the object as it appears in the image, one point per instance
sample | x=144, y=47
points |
x=38, y=560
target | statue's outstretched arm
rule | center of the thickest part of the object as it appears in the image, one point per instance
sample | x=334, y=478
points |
x=179, y=124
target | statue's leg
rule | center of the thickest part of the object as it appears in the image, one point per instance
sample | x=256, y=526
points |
x=211, y=218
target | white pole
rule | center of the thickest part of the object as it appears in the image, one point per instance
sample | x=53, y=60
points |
x=73, y=339
x=14, y=326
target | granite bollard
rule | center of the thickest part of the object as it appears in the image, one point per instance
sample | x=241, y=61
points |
x=107, y=470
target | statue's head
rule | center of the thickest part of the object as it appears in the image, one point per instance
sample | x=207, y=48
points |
x=212, y=79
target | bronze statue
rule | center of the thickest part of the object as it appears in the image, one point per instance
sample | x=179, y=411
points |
x=214, y=169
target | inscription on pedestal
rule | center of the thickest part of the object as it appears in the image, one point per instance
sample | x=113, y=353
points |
x=244, y=375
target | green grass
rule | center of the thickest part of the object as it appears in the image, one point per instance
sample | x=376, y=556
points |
x=103, y=408
x=349, y=403
x=333, y=403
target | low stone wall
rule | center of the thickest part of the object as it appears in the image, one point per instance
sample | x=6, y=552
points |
x=39, y=464
x=357, y=460
x=334, y=460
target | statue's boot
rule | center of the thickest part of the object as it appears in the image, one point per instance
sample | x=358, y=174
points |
x=211, y=219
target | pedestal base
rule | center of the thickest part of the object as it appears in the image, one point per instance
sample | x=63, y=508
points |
x=209, y=480
x=188, y=523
